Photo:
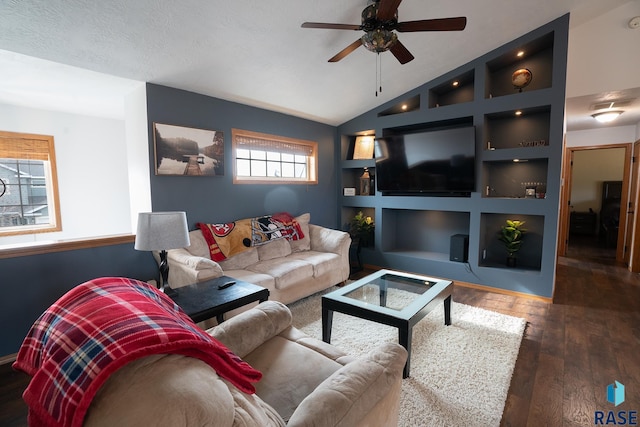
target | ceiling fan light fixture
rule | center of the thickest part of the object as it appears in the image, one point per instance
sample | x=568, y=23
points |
x=607, y=116
x=379, y=40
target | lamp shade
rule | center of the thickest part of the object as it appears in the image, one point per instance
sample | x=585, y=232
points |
x=159, y=231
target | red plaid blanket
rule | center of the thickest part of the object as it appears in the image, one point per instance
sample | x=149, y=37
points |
x=98, y=327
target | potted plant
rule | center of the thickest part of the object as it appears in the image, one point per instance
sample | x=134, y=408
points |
x=362, y=228
x=511, y=235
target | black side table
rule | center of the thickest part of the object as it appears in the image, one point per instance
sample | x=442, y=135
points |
x=204, y=300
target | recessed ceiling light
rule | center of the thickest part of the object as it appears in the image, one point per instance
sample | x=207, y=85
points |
x=520, y=54
x=404, y=106
x=607, y=116
x=518, y=113
x=455, y=83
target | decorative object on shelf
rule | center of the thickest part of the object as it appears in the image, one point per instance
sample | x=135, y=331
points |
x=521, y=78
x=363, y=148
x=362, y=228
x=349, y=191
x=186, y=151
x=536, y=143
x=534, y=189
x=159, y=231
x=372, y=187
x=365, y=183
x=511, y=235
x=530, y=191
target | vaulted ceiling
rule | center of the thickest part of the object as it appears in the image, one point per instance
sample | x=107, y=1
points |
x=256, y=53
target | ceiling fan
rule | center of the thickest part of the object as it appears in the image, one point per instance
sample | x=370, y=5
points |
x=379, y=22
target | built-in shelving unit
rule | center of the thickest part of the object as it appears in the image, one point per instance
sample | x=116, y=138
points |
x=456, y=90
x=519, y=140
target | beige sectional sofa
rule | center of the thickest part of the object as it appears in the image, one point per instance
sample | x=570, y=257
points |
x=291, y=270
x=305, y=382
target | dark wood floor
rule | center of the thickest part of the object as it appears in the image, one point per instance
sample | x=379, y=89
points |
x=572, y=349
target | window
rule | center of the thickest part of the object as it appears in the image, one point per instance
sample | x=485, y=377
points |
x=28, y=184
x=266, y=159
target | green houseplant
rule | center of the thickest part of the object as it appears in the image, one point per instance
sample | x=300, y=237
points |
x=511, y=236
x=362, y=228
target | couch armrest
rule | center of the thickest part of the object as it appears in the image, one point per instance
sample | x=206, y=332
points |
x=186, y=269
x=329, y=240
x=363, y=392
x=248, y=330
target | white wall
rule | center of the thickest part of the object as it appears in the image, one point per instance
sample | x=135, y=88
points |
x=138, y=153
x=603, y=53
x=93, y=177
x=602, y=136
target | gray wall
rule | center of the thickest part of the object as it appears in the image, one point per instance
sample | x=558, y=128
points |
x=217, y=199
x=31, y=284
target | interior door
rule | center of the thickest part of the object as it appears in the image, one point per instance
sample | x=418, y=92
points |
x=565, y=194
x=632, y=252
x=565, y=200
x=623, y=251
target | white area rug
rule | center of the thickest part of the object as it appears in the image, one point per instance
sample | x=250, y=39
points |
x=460, y=374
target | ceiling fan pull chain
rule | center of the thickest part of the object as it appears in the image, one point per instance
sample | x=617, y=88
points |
x=377, y=59
x=380, y=65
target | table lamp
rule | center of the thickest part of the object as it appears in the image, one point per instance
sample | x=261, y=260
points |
x=159, y=231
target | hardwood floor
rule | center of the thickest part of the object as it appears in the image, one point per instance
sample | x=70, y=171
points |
x=572, y=349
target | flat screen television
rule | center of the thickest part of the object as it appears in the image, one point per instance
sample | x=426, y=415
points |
x=437, y=162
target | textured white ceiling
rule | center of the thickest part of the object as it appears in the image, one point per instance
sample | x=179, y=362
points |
x=253, y=52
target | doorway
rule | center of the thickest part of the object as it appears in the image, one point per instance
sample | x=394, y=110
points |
x=596, y=196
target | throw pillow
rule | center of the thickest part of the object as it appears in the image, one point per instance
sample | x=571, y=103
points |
x=303, y=244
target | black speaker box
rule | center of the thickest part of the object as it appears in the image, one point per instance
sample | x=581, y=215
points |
x=459, y=250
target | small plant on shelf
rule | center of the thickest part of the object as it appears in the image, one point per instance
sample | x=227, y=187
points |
x=362, y=228
x=511, y=235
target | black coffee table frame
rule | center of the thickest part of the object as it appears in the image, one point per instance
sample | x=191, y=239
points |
x=204, y=300
x=439, y=292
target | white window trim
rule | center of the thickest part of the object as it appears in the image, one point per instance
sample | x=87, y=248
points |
x=40, y=147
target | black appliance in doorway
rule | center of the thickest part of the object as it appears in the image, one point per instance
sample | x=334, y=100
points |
x=610, y=213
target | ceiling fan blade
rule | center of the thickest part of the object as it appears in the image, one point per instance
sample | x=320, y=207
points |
x=347, y=50
x=401, y=53
x=331, y=26
x=387, y=9
x=444, y=24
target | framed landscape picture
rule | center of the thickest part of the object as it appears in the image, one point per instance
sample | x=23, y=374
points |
x=188, y=151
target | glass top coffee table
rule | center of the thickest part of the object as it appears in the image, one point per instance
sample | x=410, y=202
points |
x=392, y=298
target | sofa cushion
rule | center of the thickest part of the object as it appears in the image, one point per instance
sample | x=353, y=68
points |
x=323, y=262
x=355, y=390
x=198, y=244
x=303, y=244
x=298, y=374
x=256, y=278
x=286, y=272
x=241, y=260
x=276, y=249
